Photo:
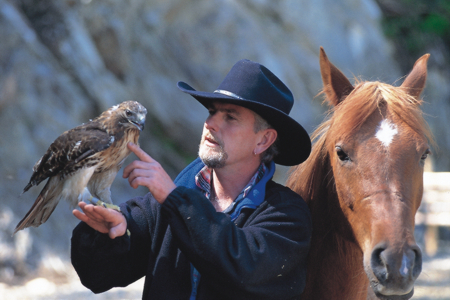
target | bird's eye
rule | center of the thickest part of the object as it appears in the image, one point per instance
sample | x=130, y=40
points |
x=341, y=154
x=128, y=113
x=425, y=155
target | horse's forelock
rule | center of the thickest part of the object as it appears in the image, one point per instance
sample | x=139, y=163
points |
x=352, y=113
x=367, y=98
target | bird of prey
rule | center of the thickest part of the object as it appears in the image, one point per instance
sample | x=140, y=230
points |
x=81, y=163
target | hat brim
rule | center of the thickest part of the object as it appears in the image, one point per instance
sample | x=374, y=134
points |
x=294, y=144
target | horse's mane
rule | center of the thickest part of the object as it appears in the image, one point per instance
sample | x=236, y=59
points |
x=343, y=120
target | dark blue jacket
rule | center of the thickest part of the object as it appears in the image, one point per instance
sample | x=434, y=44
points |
x=260, y=255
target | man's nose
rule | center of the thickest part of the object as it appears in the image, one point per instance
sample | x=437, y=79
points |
x=211, y=123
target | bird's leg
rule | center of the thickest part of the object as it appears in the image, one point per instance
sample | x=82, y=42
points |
x=99, y=202
x=87, y=196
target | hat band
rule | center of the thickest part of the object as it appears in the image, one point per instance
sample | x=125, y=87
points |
x=227, y=93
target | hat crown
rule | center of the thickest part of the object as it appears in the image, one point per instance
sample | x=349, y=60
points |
x=252, y=81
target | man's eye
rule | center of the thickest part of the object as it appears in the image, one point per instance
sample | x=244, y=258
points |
x=229, y=117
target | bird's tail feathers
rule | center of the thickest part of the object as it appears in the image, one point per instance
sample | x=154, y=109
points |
x=41, y=210
x=29, y=185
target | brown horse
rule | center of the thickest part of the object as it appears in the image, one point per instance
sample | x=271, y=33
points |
x=363, y=183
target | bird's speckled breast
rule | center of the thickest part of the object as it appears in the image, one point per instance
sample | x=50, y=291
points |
x=115, y=155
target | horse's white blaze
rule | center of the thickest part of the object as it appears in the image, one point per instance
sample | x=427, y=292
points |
x=404, y=268
x=386, y=132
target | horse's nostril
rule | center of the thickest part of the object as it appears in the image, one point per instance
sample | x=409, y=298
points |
x=387, y=267
x=378, y=263
x=411, y=262
x=417, y=261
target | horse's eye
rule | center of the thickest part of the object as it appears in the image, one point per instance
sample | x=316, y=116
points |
x=425, y=155
x=341, y=154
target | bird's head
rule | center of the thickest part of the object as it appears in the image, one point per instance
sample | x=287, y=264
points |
x=130, y=113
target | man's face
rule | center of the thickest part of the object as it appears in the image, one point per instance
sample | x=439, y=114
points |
x=228, y=135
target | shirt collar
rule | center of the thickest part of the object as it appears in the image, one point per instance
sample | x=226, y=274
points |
x=203, y=180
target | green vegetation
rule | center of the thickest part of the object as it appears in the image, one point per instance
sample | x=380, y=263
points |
x=418, y=23
x=158, y=130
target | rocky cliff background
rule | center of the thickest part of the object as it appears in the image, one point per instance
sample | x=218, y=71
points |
x=63, y=62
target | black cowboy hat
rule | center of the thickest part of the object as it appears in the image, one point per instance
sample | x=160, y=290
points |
x=253, y=86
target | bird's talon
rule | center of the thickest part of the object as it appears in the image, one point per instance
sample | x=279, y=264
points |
x=98, y=202
x=107, y=205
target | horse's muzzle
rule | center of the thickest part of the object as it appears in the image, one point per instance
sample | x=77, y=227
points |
x=394, y=272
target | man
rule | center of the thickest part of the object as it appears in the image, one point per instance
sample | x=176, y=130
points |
x=223, y=229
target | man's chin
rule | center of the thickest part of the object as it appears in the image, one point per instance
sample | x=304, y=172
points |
x=212, y=161
x=212, y=157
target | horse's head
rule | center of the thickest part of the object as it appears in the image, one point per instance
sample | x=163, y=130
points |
x=377, y=143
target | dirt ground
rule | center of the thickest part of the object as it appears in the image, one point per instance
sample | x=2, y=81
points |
x=432, y=284
x=434, y=281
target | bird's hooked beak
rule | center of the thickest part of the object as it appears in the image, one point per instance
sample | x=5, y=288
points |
x=139, y=121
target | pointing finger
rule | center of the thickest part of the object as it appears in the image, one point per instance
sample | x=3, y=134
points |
x=141, y=154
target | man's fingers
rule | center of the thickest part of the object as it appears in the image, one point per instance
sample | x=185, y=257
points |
x=79, y=215
x=136, y=166
x=138, y=173
x=82, y=204
x=135, y=182
x=99, y=226
x=149, y=173
x=102, y=219
x=96, y=213
x=141, y=154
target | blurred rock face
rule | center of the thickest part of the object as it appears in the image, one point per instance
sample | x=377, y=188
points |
x=63, y=62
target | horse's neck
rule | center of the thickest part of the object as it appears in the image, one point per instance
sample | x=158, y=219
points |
x=335, y=263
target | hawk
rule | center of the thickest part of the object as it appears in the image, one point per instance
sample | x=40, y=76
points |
x=81, y=163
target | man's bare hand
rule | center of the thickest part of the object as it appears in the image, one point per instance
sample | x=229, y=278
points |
x=149, y=173
x=104, y=220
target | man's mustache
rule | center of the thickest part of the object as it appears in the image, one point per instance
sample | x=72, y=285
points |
x=212, y=138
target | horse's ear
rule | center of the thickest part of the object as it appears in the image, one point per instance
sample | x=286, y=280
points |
x=415, y=81
x=335, y=85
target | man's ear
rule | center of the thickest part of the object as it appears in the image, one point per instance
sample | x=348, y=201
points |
x=267, y=138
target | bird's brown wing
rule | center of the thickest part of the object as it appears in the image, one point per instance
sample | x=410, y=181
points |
x=70, y=152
